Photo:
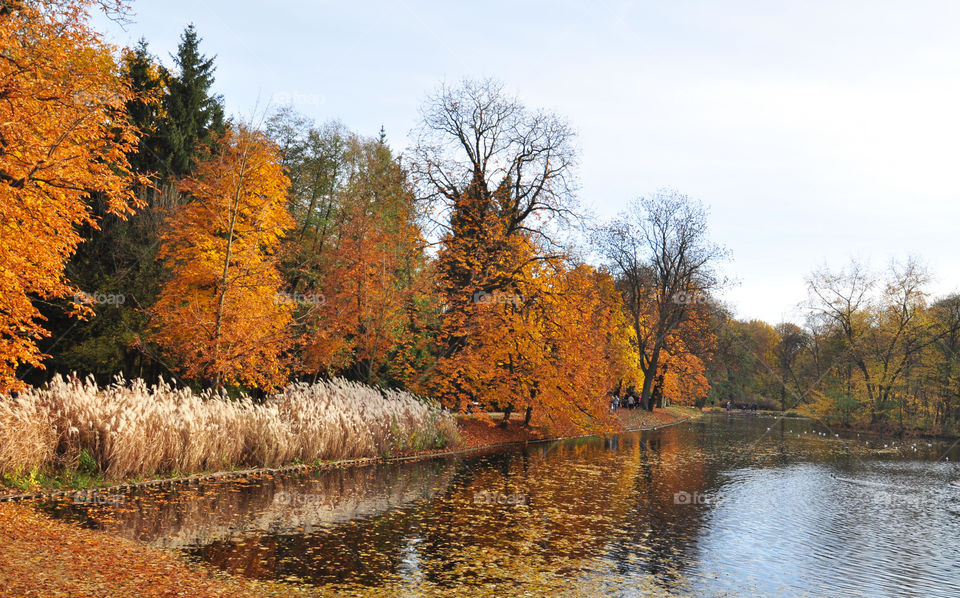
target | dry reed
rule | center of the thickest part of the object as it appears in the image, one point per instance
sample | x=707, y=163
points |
x=131, y=429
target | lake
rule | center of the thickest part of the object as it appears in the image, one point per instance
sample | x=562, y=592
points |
x=728, y=505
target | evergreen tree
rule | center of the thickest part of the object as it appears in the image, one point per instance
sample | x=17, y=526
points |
x=145, y=77
x=194, y=117
x=177, y=116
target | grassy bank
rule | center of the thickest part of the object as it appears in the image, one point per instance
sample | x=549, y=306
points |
x=76, y=435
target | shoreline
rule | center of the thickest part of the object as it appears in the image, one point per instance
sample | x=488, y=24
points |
x=35, y=542
x=881, y=430
x=187, y=480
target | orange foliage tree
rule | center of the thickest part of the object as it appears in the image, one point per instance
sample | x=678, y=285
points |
x=63, y=136
x=684, y=378
x=585, y=329
x=222, y=313
x=687, y=351
x=522, y=329
x=355, y=297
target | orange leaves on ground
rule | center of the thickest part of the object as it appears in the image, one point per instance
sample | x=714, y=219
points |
x=44, y=557
x=222, y=313
x=63, y=136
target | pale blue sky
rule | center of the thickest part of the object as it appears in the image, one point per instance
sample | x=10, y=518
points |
x=815, y=131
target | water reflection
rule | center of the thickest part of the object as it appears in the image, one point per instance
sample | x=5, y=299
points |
x=736, y=505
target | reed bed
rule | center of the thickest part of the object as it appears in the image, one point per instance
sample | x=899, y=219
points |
x=131, y=429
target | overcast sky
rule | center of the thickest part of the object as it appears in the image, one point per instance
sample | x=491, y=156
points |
x=816, y=132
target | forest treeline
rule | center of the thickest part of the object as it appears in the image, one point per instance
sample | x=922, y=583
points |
x=146, y=234
x=875, y=349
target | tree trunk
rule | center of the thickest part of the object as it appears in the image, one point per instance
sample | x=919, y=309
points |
x=648, y=377
x=656, y=397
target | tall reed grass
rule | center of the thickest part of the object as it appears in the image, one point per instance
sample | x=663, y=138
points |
x=131, y=429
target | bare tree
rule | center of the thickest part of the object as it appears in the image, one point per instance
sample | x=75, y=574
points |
x=476, y=141
x=792, y=342
x=946, y=376
x=884, y=332
x=664, y=264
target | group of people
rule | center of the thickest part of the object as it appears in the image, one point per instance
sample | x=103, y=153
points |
x=631, y=400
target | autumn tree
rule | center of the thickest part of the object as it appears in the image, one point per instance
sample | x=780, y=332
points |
x=792, y=343
x=664, y=263
x=118, y=257
x=480, y=150
x=686, y=353
x=499, y=174
x=548, y=346
x=373, y=276
x=221, y=313
x=63, y=136
x=882, y=324
x=354, y=263
x=523, y=325
x=943, y=360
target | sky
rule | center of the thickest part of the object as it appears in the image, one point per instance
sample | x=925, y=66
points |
x=815, y=132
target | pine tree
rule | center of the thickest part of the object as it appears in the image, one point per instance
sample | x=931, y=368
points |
x=144, y=75
x=194, y=117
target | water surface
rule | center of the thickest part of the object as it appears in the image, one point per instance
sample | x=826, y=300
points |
x=729, y=505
